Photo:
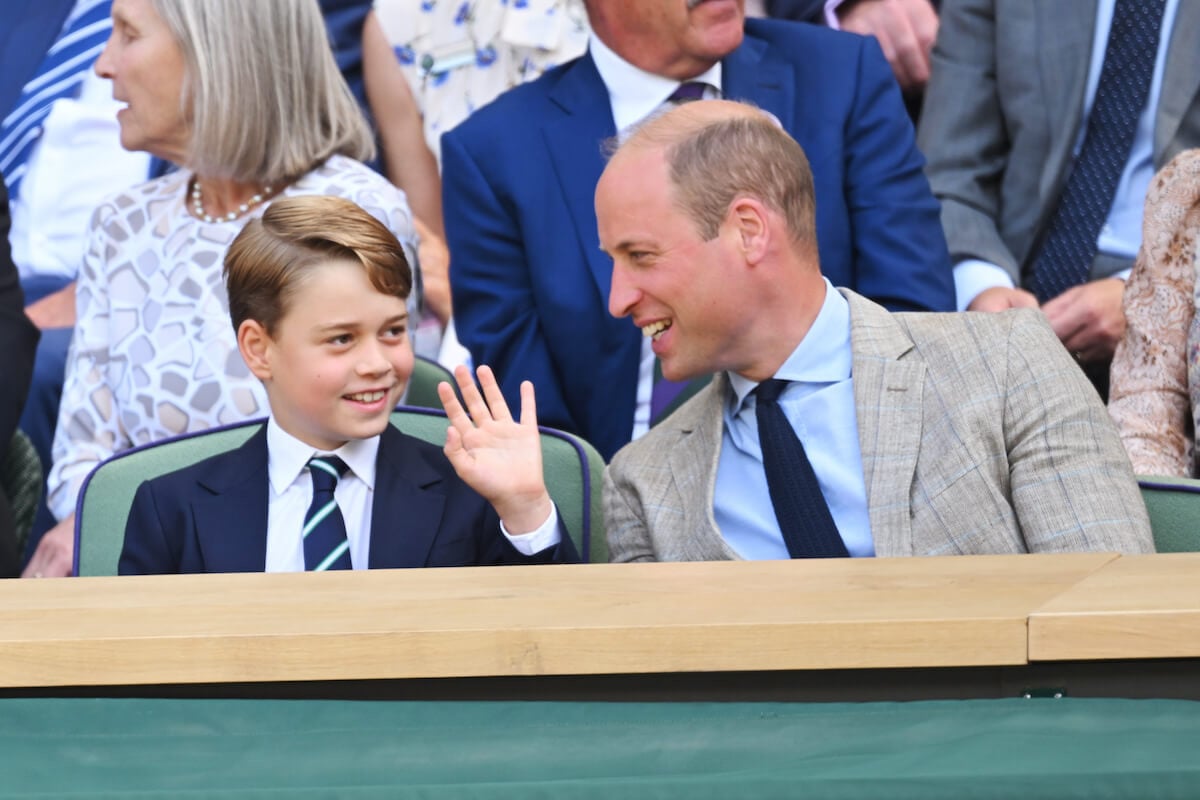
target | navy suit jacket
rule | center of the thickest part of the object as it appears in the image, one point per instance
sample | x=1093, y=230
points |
x=212, y=516
x=530, y=284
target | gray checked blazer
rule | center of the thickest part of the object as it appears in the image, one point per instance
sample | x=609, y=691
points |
x=1004, y=109
x=978, y=433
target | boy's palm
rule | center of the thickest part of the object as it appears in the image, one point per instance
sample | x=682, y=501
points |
x=494, y=454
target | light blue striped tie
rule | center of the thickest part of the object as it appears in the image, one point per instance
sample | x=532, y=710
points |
x=325, y=543
x=59, y=75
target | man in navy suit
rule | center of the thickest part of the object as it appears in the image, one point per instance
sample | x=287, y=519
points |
x=317, y=293
x=529, y=282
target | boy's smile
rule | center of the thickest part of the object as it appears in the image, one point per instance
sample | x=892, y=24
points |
x=340, y=357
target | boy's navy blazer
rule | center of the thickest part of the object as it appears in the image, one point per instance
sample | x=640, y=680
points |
x=212, y=515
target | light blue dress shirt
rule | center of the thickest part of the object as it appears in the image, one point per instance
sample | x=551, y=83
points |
x=820, y=406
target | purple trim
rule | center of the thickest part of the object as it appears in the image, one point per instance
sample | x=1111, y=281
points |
x=1169, y=487
x=428, y=412
x=139, y=448
x=586, y=533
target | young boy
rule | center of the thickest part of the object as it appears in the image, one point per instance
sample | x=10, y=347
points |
x=317, y=292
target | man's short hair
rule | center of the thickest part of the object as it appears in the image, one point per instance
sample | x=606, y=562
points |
x=262, y=92
x=711, y=162
x=269, y=259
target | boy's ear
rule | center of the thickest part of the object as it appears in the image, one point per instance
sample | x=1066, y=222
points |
x=255, y=345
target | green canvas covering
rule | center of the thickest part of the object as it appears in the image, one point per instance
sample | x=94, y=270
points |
x=1041, y=748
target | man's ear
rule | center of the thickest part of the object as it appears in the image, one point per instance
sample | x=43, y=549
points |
x=748, y=216
x=255, y=345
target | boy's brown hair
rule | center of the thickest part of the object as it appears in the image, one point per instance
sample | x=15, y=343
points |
x=268, y=260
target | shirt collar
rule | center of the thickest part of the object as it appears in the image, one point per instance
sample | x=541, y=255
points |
x=823, y=355
x=287, y=456
x=633, y=93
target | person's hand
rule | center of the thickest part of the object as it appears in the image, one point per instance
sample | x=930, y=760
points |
x=906, y=30
x=55, y=553
x=497, y=456
x=1002, y=298
x=55, y=310
x=1088, y=318
x=434, y=258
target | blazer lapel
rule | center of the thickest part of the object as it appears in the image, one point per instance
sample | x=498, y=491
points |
x=751, y=73
x=1064, y=31
x=888, y=387
x=575, y=142
x=405, y=516
x=231, y=512
x=1181, y=78
x=693, y=464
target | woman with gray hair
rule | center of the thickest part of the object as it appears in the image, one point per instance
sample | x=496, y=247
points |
x=247, y=99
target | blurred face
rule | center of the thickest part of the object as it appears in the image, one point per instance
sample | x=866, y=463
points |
x=685, y=293
x=339, y=360
x=146, y=67
x=674, y=38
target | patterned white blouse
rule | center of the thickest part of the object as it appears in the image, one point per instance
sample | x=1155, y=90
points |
x=154, y=352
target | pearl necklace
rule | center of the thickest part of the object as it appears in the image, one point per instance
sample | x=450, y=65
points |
x=198, y=204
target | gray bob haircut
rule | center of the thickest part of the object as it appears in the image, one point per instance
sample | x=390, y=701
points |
x=263, y=94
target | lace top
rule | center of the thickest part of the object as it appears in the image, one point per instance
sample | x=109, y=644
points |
x=1155, y=386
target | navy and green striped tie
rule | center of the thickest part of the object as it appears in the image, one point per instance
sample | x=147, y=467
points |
x=325, y=543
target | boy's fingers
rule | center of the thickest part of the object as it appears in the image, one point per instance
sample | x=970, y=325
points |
x=454, y=410
x=528, y=405
x=454, y=443
x=470, y=393
x=492, y=393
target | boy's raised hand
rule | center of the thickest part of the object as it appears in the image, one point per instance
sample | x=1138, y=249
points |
x=497, y=456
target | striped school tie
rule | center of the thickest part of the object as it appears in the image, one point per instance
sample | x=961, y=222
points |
x=325, y=542
x=58, y=76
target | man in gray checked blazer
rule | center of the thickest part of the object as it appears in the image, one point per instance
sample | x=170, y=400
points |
x=969, y=433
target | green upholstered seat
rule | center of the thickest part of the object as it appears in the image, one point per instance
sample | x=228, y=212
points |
x=422, y=386
x=1174, y=507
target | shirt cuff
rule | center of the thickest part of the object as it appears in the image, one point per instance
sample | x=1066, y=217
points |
x=545, y=535
x=973, y=276
x=831, y=17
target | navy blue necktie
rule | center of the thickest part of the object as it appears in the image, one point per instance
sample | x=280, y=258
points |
x=1069, y=247
x=325, y=543
x=58, y=76
x=803, y=515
